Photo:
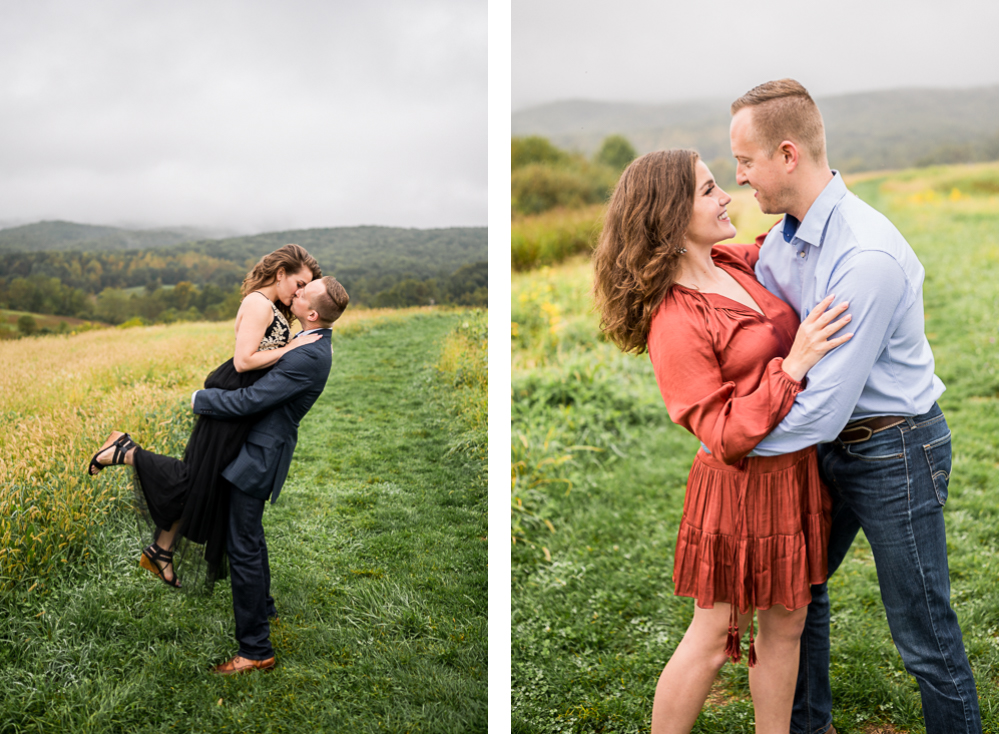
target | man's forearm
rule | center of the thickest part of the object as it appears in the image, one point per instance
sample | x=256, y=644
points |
x=874, y=286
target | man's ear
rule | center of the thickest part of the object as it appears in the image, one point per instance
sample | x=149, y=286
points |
x=789, y=153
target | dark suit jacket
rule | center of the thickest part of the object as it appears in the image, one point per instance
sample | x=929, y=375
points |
x=281, y=397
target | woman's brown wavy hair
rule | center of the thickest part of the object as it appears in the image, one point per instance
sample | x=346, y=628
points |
x=636, y=259
x=291, y=259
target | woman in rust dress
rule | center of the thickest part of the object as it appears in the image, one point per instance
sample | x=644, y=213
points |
x=729, y=358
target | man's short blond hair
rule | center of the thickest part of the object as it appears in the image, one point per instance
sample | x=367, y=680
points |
x=330, y=304
x=783, y=110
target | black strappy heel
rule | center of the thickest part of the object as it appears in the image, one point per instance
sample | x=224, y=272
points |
x=151, y=556
x=122, y=445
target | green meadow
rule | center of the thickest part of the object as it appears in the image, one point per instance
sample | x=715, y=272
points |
x=598, y=476
x=377, y=545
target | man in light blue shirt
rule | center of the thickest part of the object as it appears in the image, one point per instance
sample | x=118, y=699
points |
x=884, y=445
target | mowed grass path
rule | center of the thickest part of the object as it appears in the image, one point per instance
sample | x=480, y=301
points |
x=378, y=560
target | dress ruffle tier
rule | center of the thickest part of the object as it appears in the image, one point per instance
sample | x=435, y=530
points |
x=753, y=534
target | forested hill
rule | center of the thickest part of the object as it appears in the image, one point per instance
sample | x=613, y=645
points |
x=59, y=235
x=352, y=252
x=379, y=266
x=890, y=129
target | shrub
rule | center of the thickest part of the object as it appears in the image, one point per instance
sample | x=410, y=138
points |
x=616, y=152
x=534, y=149
x=536, y=187
x=26, y=325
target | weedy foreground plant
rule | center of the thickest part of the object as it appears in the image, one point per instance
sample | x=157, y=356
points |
x=598, y=474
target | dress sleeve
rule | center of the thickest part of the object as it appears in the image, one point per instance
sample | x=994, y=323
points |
x=690, y=379
x=745, y=256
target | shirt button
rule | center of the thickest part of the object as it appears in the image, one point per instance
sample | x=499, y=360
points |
x=802, y=253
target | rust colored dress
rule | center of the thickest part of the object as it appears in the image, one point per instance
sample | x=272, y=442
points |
x=755, y=529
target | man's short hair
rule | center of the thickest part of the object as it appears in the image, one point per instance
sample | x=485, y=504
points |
x=331, y=302
x=783, y=110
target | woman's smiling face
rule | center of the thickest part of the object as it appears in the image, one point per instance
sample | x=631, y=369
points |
x=709, y=220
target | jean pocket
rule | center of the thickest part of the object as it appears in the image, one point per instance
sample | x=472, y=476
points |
x=938, y=453
x=887, y=447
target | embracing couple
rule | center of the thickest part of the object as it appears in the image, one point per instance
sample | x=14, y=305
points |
x=241, y=446
x=792, y=464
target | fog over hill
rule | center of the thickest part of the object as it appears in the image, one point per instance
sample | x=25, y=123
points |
x=60, y=235
x=865, y=131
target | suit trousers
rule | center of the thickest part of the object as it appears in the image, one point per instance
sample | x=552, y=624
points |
x=250, y=575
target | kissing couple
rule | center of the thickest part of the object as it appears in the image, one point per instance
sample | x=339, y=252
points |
x=241, y=446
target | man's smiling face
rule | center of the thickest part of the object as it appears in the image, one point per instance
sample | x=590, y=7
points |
x=766, y=174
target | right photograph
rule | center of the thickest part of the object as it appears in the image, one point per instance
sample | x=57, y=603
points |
x=754, y=378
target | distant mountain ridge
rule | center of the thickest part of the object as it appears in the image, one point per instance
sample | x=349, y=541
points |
x=62, y=235
x=866, y=131
x=349, y=250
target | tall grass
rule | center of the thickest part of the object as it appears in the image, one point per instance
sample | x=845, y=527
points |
x=60, y=396
x=551, y=237
x=463, y=365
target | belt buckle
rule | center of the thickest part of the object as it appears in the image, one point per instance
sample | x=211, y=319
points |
x=858, y=440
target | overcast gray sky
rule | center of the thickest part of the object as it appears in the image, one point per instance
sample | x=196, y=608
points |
x=254, y=115
x=663, y=51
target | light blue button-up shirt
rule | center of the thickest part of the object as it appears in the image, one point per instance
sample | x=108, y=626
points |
x=844, y=246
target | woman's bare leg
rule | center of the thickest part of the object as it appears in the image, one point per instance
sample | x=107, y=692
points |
x=107, y=452
x=772, y=680
x=688, y=677
x=164, y=538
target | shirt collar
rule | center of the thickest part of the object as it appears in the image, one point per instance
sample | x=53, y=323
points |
x=811, y=228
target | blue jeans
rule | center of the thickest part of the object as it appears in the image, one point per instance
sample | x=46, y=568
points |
x=250, y=575
x=894, y=486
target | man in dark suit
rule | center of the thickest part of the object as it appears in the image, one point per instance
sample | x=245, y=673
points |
x=281, y=398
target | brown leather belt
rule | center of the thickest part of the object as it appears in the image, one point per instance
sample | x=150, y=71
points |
x=860, y=431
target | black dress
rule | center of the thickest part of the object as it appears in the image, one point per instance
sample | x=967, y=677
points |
x=193, y=490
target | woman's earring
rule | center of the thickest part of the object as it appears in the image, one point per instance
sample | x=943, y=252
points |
x=682, y=250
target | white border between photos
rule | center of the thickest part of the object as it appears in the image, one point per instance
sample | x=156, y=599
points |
x=499, y=20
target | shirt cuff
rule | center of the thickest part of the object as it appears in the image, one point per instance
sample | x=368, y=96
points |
x=192, y=398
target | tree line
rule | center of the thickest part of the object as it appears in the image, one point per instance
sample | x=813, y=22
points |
x=103, y=288
x=381, y=267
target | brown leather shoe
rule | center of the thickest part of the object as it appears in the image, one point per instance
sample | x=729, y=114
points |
x=243, y=665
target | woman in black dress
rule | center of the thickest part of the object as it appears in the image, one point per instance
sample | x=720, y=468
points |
x=186, y=501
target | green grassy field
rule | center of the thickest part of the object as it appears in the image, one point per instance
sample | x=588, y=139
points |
x=378, y=561
x=599, y=472
x=60, y=324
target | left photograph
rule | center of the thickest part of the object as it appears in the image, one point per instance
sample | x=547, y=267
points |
x=243, y=367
